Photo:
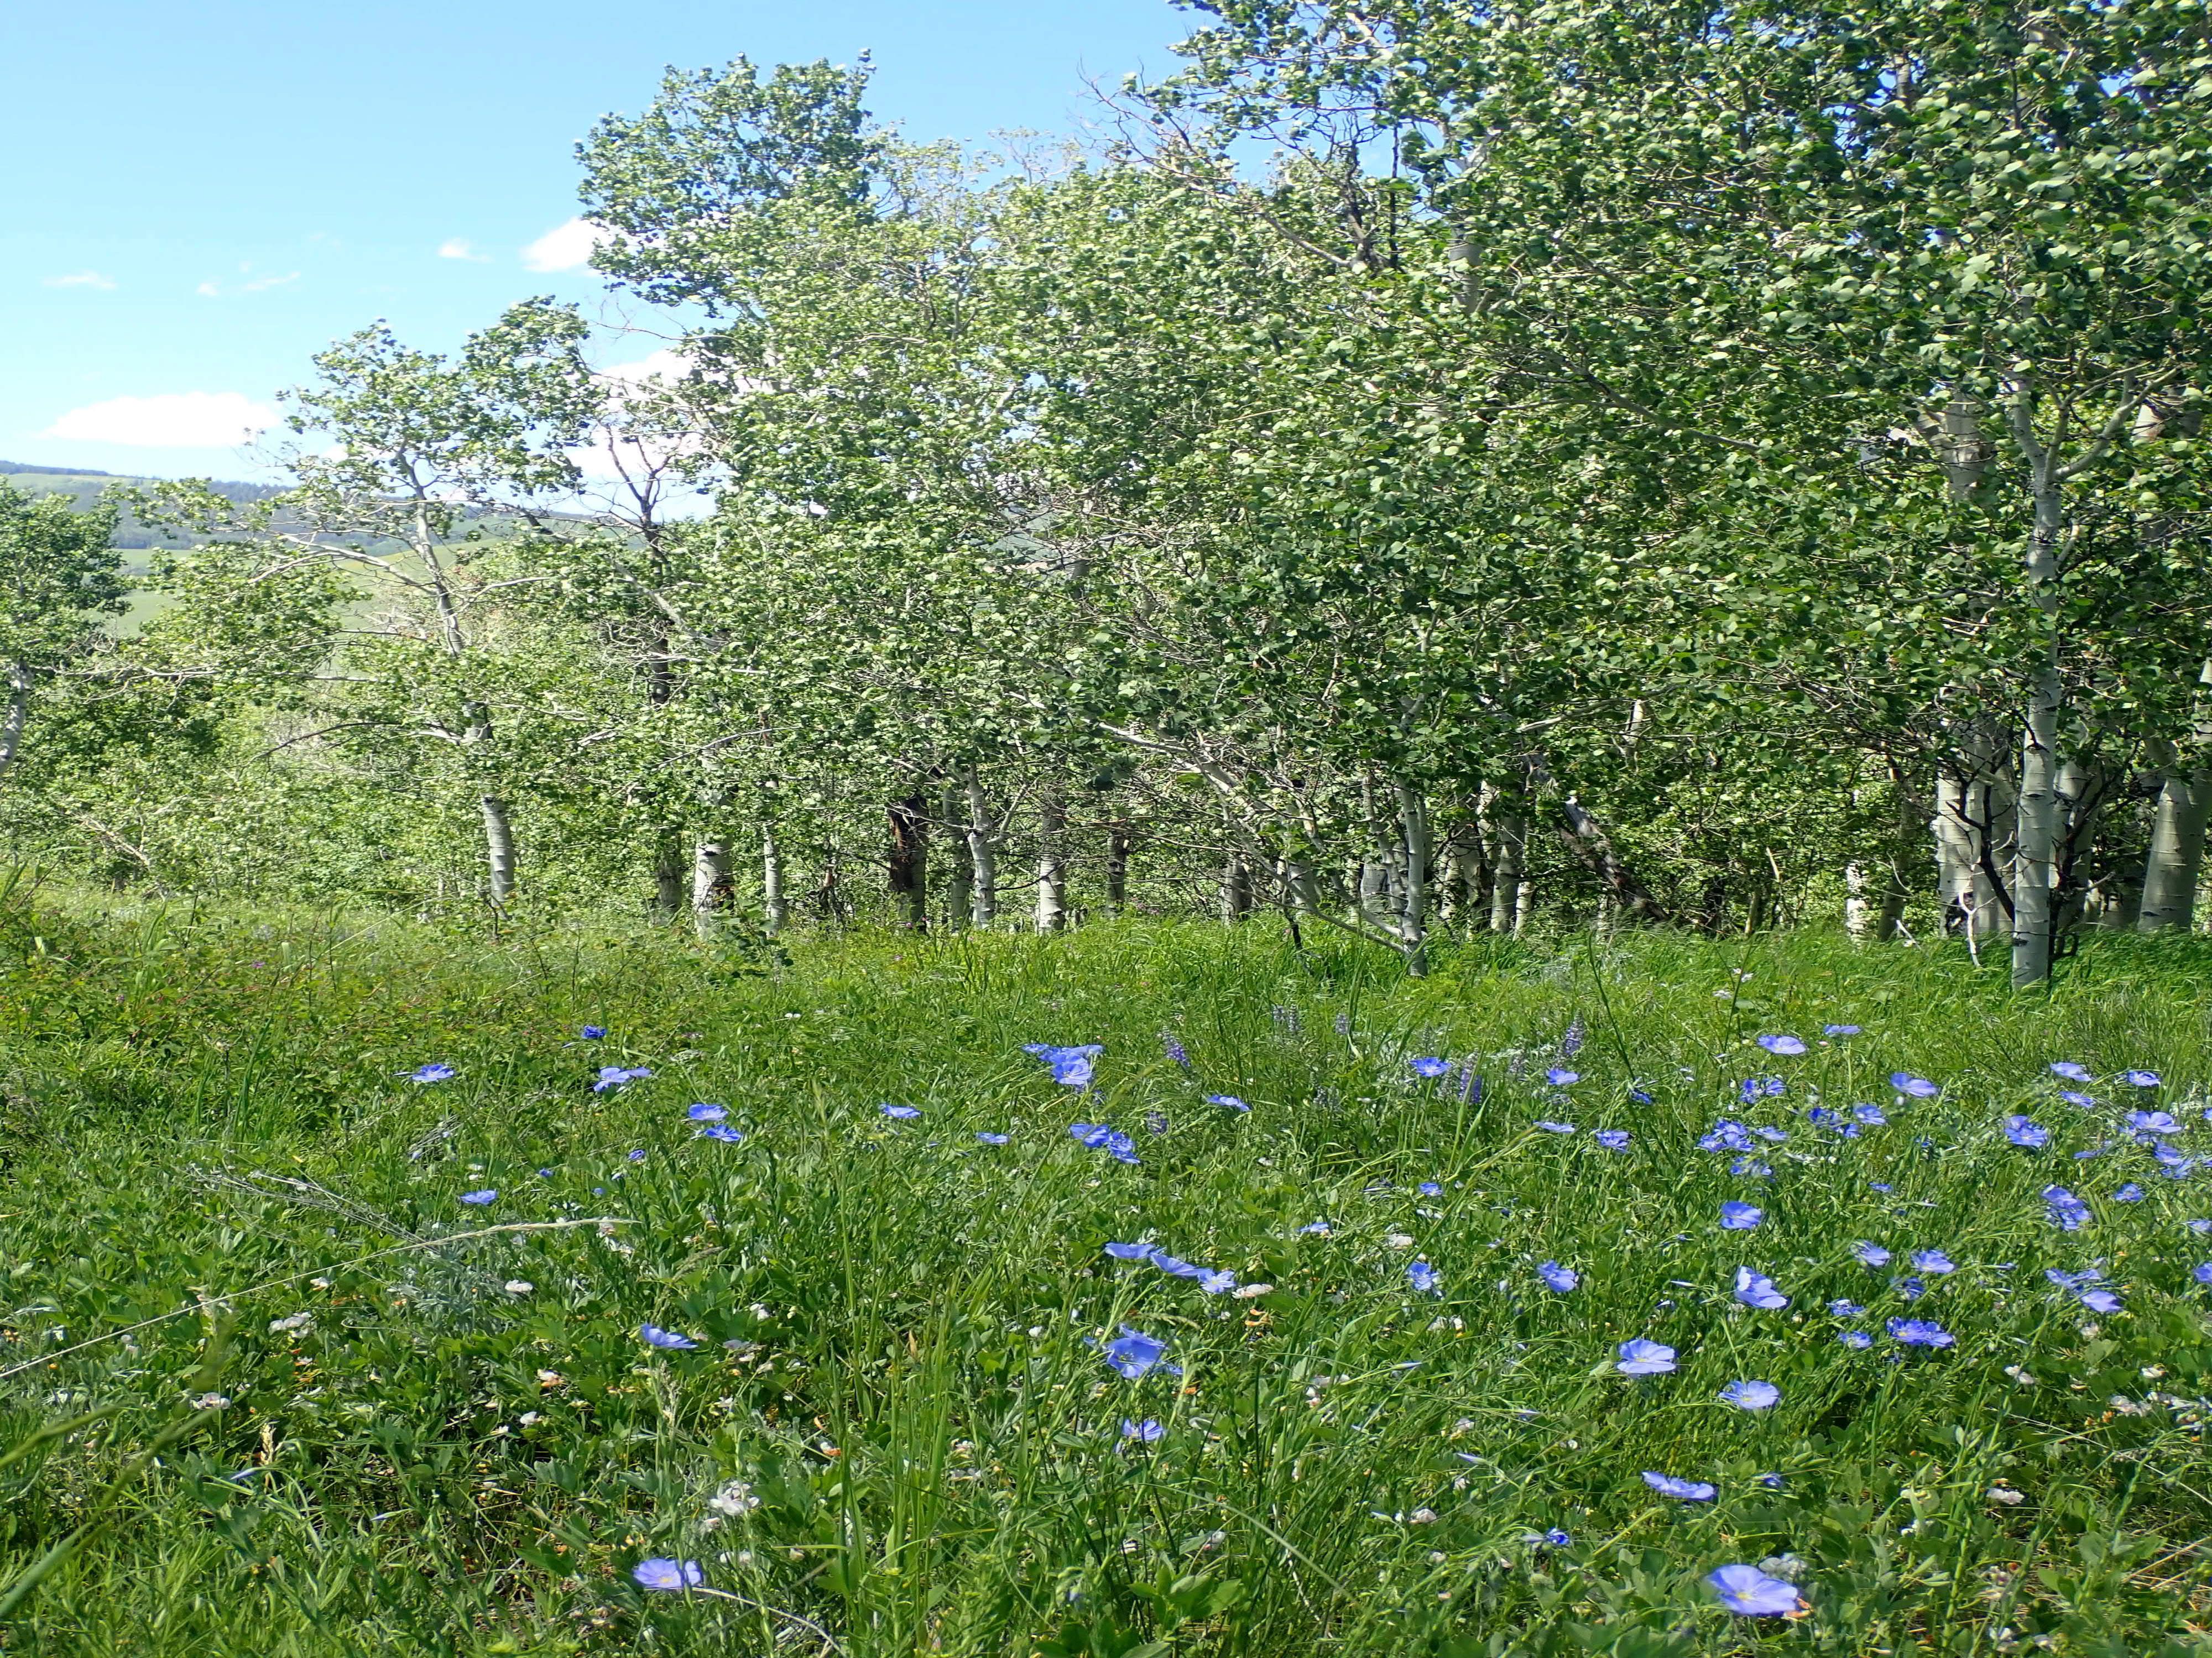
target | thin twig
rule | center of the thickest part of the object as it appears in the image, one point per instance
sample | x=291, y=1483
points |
x=312, y=1272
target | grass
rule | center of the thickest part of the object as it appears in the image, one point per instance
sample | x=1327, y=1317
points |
x=897, y=1398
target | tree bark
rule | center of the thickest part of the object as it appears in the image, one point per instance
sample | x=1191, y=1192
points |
x=1505, y=883
x=2177, y=852
x=1117, y=865
x=774, y=909
x=712, y=890
x=19, y=708
x=1586, y=838
x=909, y=862
x=1052, y=867
x=2038, y=821
x=983, y=856
x=960, y=877
x=667, y=869
x=1412, y=915
x=1235, y=890
x=499, y=848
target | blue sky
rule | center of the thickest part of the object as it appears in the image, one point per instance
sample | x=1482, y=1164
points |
x=203, y=195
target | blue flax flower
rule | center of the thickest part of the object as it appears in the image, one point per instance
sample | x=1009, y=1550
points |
x=1555, y=1127
x=654, y=1336
x=1741, y=1217
x=2073, y=1071
x=1148, y=1431
x=1839, y=1030
x=988, y=1138
x=1560, y=1077
x=1873, y=1115
x=1092, y=1134
x=612, y=1076
x=1688, y=1491
x=2153, y=1123
x=433, y=1073
x=1561, y=1279
x=671, y=1576
x=1175, y=1268
x=1870, y=1254
x=1132, y=1353
x=1228, y=1099
x=1934, y=1262
x=2022, y=1131
x=2140, y=1079
x=2083, y=1286
x=722, y=1131
x=1119, y=1146
x=1911, y=1288
x=1726, y=1135
x=902, y=1113
x=1750, y=1593
x=707, y=1112
x=2068, y=1212
x=1557, y=1538
x=1757, y=1290
x=2202, y=1271
x=1787, y=1047
x=1751, y=1166
x=480, y=1197
x=592, y=1033
x=1918, y=1087
x=1752, y=1395
x=2199, y=1227
x=2075, y=1096
x=1424, y=1279
x=2128, y=1194
x=1855, y=1338
x=1430, y=1067
x=1845, y=1308
x=1218, y=1284
x=1613, y=1140
x=1429, y=1188
x=1072, y=1067
x=1920, y=1332
x=1132, y=1251
x=1642, y=1357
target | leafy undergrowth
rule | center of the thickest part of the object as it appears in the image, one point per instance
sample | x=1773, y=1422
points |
x=1386, y=1414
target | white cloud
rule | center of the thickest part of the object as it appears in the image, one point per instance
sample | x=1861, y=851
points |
x=459, y=247
x=661, y=364
x=83, y=279
x=260, y=282
x=564, y=247
x=171, y=419
x=207, y=291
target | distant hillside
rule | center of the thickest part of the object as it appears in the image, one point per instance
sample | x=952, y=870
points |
x=82, y=486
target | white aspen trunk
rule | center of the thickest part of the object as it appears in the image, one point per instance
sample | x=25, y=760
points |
x=499, y=848
x=2037, y=820
x=1052, y=869
x=1505, y=896
x=667, y=869
x=19, y=708
x=1412, y=915
x=710, y=885
x=1235, y=890
x=983, y=856
x=959, y=879
x=775, y=909
x=1954, y=854
x=1855, y=903
x=1373, y=884
x=1524, y=904
x=2177, y=852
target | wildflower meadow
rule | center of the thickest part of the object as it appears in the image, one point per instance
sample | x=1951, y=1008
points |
x=1161, y=1289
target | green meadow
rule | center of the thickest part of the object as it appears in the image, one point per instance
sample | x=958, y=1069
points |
x=274, y=1386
